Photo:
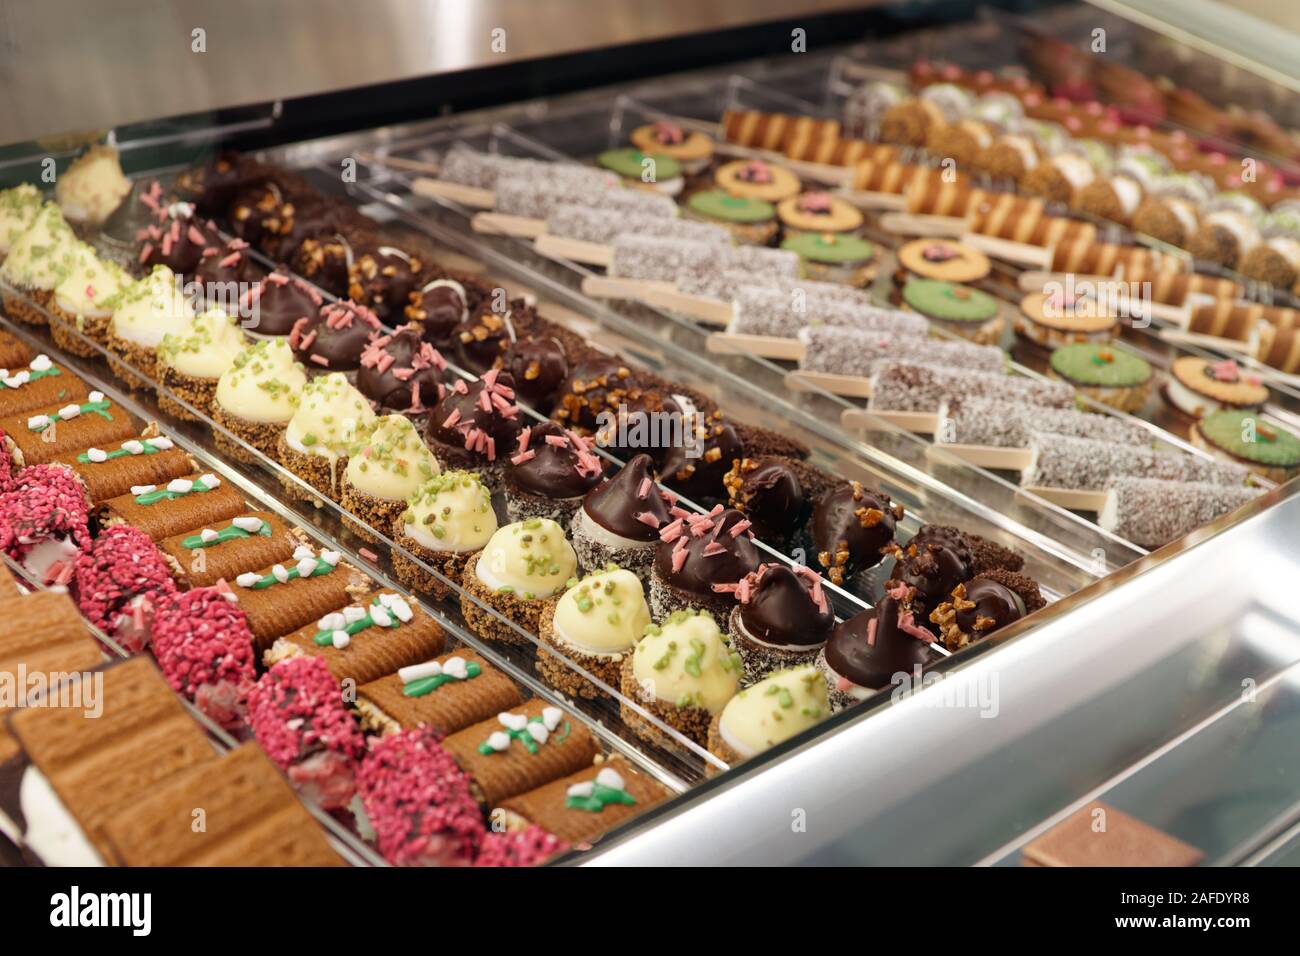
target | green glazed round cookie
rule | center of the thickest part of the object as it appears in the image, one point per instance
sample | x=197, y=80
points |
x=830, y=248
x=949, y=301
x=627, y=162
x=721, y=205
x=1232, y=430
x=1095, y=363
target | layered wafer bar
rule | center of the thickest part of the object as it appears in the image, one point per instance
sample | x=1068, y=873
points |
x=483, y=170
x=784, y=314
x=8, y=583
x=1062, y=461
x=1033, y=230
x=113, y=470
x=448, y=693
x=1173, y=288
x=1105, y=258
x=838, y=152
x=251, y=818
x=1279, y=317
x=771, y=131
x=851, y=351
x=580, y=807
x=876, y=176
x=520, y=750
x=989, y=213
x=666, y=260
x=227, y=548
x=727, y=285
x=1004, y=424
x=376, y=635
x=39, y=384
x=933, y=195
x=1151, y=512
x=40, y=436
x=1224, y=319
x=45, y=638
x=161, y=511
x=601, y=225
x=913, y=386
x=122, y=735
x=284, y=597
x=536, y=198
x=1279, y=348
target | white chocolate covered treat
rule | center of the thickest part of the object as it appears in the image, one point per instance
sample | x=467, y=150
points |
x=331, y=414
x=685, y=662
x=91, y=189
x=531, y=559
x=92, y=286
x=18, y=208
x=40, y=256
x=781, y=705
x=151, y=309
x=450, y=512
x=390, y=460
x=263, y=384
x=207, y=349
x=603, y=614
x=669, y=260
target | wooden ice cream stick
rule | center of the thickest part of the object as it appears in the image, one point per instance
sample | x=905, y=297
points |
x=1074, y=500
x=465, y=195
x=400, y=162
x=708, y=311
x=913, y=224
x=1182, y=336
x=611, y=287
x=763, y=346
x=925, y=423
x=1034, y=280
x=501, y=224
x=850, y=386
x=985, y=456
x=1019, y=253
x=865, y=199
x=575, y=250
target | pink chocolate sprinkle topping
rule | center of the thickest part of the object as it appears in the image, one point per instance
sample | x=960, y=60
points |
x=120, y=566
x=419, y=802
x=296, y=710
x=205, y=650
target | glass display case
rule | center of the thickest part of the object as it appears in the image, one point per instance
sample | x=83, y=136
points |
x=1157, y=677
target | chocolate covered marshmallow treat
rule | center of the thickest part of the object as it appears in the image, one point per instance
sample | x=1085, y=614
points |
x=698, y=557
x=620, y=519
x=548, y=474
x=782, y=620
